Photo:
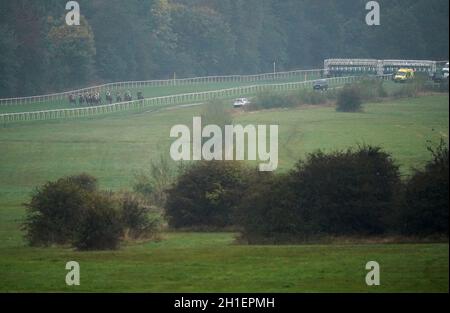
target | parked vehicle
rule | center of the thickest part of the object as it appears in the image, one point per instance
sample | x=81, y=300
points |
x=439, y=77
x=321, y=84
x=404, y=75
x=240, y=102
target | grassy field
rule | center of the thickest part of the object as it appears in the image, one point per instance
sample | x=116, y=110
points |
x=195, y=262
x=115, y=147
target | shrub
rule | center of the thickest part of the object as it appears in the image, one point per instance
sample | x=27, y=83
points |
x=425, y=205
x=269, y=100
x=349, y=99
x=72, y=211
x=84, y=181
x=371, y=89
x=216, y=112
x=443, y=86
x=140, y=220
x=56, y=208
x=206, y=194
x=101, y=226
x=342, y=193
x=268, y=212
x=411, y=89
x=153, y=184
x=348, y=192
x=314, y=97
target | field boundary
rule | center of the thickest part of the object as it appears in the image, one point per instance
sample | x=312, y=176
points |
x=169, y=100
x=167, y=82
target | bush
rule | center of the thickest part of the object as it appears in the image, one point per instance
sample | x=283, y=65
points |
x=411, y=89
x=140, y=220
x=72, y=211
x=153, y=184
x=206, y=194
x=314, y=97
x=371, y=89
x=56, y=208
x=342, y=193
x=268, y=212
x=349, y=99
x=270, y=100
x=425, y=204
x=348, y=192
x=216, y=112
x=101, y=226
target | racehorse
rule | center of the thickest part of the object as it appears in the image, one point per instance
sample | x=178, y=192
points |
x=109, y=98
x=72, y=99
x=80, y=99
x=128, y=96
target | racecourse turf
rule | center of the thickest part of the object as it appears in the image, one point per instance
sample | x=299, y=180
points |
x=117, y=146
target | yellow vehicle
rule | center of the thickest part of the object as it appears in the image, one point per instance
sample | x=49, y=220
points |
x=404, y=75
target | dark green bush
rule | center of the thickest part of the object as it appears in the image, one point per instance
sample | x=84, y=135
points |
x=348, y=192
x=56, y=208
x=84, y=181
x=269, y=211
x=101, y=226
x=342, y=193
x=349, y=99
x=72, y=211
x=206, y=194
x=425, y=204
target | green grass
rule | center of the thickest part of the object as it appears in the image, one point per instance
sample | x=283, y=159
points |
x=114, y=147
x=193, y=262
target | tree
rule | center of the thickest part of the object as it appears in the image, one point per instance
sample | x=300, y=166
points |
x=206, y=38
x=72, y=51
x=9, y=63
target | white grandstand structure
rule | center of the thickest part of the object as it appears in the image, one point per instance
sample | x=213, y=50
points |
x=338, y=67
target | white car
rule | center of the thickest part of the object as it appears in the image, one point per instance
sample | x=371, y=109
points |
x=240, y=102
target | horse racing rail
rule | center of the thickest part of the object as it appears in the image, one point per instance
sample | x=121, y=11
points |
x=169, y=100
x=305, y=74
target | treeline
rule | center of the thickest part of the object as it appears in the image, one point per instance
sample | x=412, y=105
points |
x=155, y=39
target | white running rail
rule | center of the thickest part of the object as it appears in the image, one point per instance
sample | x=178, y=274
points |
x=170, y=100
x=304, y=74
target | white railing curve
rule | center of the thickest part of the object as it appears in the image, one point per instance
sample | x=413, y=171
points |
x=170, y=100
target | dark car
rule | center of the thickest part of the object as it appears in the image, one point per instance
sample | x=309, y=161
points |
x=321, y=84
x=439, y=77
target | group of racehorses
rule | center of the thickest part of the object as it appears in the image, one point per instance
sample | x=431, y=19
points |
x=95, y=98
